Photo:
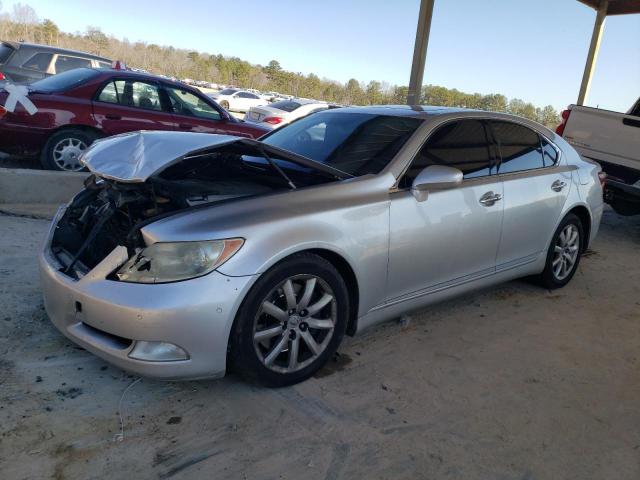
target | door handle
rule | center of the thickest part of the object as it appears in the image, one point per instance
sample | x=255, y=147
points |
x=558, y=185
x=185, y=126
x=112, y=116
x=489, y=198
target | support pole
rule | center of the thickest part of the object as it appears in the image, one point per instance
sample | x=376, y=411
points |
x=420, y=51
x=592, y=56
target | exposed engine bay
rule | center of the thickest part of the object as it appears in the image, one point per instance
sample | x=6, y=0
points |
x=109, y=213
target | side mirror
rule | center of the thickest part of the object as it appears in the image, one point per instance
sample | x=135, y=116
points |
x=435, y=177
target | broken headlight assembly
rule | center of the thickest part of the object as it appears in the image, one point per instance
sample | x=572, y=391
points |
x=165, y=262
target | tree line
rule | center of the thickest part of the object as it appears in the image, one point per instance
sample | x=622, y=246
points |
x=23, y=24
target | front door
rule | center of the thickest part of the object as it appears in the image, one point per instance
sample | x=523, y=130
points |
x=129, y=105
x=194, y=114
x=535, y=190
x=453, y=236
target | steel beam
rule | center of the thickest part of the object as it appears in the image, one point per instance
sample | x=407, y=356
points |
x=592, y=56
x=420, y=51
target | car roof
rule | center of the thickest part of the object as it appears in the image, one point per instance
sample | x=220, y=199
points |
x=49, y=48
x=414, y=111
x=431, y=112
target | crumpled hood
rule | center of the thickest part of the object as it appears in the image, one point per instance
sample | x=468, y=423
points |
x=136, y=156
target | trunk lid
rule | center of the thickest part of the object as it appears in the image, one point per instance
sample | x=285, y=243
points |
x=258, y=114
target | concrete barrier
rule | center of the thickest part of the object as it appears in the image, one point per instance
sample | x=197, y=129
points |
x=18, y=186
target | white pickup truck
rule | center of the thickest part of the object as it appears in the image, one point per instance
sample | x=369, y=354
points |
x=613, y=140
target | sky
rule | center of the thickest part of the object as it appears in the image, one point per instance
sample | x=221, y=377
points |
x=529, y=49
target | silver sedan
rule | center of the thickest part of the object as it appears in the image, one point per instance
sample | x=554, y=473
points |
x=187, y=254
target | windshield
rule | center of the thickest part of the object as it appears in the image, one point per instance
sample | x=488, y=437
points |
x=355, y=143
x=64, y=81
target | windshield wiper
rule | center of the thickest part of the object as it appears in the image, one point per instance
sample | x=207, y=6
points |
x=278, y=169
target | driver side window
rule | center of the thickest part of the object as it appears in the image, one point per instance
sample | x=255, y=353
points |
x=184, y=102
x=461, y=144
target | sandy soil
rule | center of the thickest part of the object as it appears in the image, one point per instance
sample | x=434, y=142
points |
x=511, y=383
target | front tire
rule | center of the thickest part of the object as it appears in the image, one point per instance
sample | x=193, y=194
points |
x=563, y=256
x=63, y=149
x=291, y=322
x=224, y=104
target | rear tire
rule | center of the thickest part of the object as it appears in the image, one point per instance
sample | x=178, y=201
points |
x=224, y=104
x=63, y=149
x=563, y=256
x=301, y=327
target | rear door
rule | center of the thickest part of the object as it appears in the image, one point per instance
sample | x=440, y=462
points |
x=126, y=105
x=535, y=186
x=243, y=101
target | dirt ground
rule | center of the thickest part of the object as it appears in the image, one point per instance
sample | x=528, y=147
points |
x=511, y=383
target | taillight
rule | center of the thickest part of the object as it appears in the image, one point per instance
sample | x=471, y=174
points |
x=3, y=111
x=2, y=77
x=273, y=120
x=602, y=177
x=565, y=116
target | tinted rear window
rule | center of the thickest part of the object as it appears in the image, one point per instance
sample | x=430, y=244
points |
x=5, y=52
x=64, y=81
x=519, y=147
x=39, y=62
x=286, y=105
x=228, y=91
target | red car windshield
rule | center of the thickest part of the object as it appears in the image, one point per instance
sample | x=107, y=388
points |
x=64, y=81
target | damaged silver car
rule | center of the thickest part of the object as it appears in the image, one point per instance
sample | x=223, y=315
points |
x=188, y=253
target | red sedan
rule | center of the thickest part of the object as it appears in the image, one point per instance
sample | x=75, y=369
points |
x=62, y=115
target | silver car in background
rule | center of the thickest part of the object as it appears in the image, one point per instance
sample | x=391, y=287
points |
x=187, y=253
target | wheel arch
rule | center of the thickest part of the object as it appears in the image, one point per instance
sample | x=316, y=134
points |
x=582, y=212
x=349, y=277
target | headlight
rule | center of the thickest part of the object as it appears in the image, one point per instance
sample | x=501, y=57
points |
x=174, y=261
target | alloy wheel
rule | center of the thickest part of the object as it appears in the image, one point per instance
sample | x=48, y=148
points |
x=295, y=323
x=566, y=251
x=66, y=154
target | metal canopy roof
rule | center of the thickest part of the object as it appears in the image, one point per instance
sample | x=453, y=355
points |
x=603, y=8
x=615, y=7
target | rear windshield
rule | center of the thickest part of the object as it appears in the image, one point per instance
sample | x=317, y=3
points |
x=286, y=105
x=5, y=52
x=228, y=91
x=64, y=81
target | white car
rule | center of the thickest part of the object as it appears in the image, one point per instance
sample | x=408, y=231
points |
x=237, y=100
x=281, y=113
